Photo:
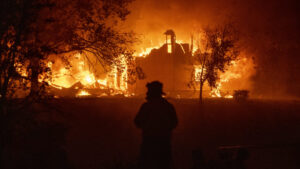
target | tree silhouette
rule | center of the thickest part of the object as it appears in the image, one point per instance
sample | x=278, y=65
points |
x=33, y=30
x=219, y=48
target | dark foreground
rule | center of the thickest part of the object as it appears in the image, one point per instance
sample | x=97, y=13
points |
x=99, y=133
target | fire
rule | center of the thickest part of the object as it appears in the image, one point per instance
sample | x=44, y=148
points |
x=228, y=96
x=198, y=70
x=216, y=91
x=146, y=51
x=82, y=93
x=61, y=78
x=236, y=70
x=87, y=78
x=102, y=82
x=115, y=79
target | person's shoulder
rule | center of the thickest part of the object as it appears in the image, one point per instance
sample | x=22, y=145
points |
x=167, y=102
x=146, y=104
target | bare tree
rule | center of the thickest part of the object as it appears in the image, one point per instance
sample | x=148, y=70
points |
x=218, y=49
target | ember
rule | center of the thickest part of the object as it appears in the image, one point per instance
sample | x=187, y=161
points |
x=82, y=93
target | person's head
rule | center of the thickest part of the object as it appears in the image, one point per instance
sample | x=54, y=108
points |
x=154, y=90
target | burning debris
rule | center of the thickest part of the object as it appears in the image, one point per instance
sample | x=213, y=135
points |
x=79, y=80
x=172, y=63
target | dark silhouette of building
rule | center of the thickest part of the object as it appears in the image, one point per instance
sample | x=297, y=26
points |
x=171, y=64
x=157, y=118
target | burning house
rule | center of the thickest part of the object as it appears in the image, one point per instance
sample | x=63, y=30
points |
x=81, y=81
x=171, y=64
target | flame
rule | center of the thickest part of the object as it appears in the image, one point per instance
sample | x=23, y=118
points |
x=236, y=70
x=61, y=78
x=102, y=82
x=144, y=51
x=216, y=91
x=87, y=78
x=115, y=79
x=228, y=96
x=82, y=93
x=117, y=76
x=198, y=70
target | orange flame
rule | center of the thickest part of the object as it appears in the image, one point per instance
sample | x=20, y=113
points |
x=82, y=93
x=80, y=72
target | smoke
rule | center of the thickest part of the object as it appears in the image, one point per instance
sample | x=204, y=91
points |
x=269, y=32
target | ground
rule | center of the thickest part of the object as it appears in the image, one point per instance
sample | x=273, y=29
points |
x=100, y=132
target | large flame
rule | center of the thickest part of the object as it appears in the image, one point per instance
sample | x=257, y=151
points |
x=115, y=79
x=236, y=70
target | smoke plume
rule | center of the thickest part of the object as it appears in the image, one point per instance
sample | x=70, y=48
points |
x=269, y=32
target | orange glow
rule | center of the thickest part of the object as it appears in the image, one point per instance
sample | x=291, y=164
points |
x=198, y=71
x=87, y=78
x=236, y=70
x=82, y=93
x=146, y=51
x=115, y=79
x=169, y=48
x=103, y=82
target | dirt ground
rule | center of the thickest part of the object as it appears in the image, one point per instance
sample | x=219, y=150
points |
x=100, y=131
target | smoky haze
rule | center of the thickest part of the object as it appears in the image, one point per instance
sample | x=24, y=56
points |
x=269, y=33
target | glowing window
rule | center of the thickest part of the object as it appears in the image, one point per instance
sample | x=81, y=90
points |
x=169, y=48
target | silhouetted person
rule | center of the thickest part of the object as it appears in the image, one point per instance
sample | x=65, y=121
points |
x=157, y=118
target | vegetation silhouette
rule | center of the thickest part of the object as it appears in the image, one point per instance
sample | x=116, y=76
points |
x=220, y=48
x=33, y=33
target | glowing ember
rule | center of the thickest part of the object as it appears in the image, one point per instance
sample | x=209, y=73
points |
x=82, y=93
x=228, y=96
